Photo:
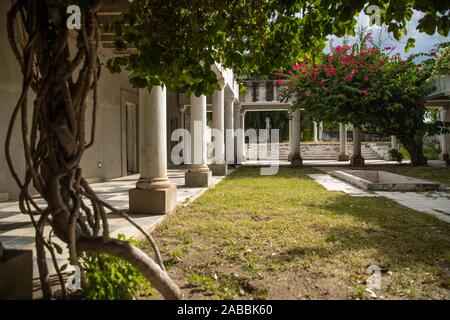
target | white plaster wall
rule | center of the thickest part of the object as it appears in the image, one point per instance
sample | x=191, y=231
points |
x=113, y=90
x=10, y=83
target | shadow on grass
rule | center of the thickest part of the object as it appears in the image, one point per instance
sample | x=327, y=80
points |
x=400, y=236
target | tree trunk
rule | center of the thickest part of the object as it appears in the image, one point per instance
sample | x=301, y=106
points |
x=415, y=150
x=54, y=141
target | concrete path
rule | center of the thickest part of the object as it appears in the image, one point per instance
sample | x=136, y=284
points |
x=436, y=203
x=17, y=232
x=333, y=184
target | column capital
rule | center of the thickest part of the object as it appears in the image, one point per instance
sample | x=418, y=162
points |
x=182, y=109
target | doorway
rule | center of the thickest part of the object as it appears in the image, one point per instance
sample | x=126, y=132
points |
x=132, y=138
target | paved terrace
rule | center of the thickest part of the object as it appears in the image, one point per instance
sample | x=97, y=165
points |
x=17, y=232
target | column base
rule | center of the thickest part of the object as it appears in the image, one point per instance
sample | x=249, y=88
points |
x=218, y=169
x=153, y=201
x=343, y=157
x=357, y=161
x=198, y=179
x=296, y=160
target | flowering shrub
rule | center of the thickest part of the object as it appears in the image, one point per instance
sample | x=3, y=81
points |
x=442, y=66
x=368, y=86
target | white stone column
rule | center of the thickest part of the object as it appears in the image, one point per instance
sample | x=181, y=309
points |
x=241, y=151
x=291, y=144
x=182, y=125
x=219, y=166
x=198, y=174
x=296, y=159
x=315, y=131
x=321, y=131
x=444, y=137
x=261, y=91
x=229, y=131
x=237, y=134
x=154, y=193
x=357, y=159
x=394, y=143
x=343, y=156
x=275, y=91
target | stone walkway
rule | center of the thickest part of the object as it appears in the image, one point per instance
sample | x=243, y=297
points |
x=436, y=203
x=17, y=232
x=332, y=184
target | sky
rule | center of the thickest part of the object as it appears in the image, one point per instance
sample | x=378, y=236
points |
x=424, y=42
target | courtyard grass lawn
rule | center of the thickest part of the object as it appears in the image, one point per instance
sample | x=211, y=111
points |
x=285, y=237
x=438, y=174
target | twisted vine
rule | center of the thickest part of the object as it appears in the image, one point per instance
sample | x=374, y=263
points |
x=55, y=139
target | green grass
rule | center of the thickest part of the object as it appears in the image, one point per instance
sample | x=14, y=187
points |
x=284, y=236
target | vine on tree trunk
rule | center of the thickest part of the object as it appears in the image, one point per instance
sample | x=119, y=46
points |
x=54, y=138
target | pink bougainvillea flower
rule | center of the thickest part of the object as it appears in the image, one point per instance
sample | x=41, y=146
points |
x=363, y=91
x=332, y=71
x=322, y=83
x=340, y=48
x=279, y=73
x=366, y=79
x=420, y=65
x=296, y=67
x=280, y=81
x=433, y=53
x=354, y=71
x=347, y=78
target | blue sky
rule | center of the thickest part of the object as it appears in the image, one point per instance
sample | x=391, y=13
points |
x=424, y=42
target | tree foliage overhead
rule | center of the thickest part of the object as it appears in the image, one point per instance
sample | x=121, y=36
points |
x=176, y=42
